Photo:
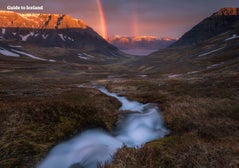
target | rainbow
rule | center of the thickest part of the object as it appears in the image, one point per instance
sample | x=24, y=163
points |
x=134, y=23
x=104, y=32
x=134, y=19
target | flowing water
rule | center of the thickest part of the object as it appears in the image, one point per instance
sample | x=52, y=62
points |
x=142, y=124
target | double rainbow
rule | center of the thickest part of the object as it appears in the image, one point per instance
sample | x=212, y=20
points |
x=134, y=20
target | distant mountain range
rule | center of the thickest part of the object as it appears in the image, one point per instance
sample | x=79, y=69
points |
x=52, y=30
x=140, y=44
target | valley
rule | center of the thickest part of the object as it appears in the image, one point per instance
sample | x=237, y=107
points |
x=194, y=83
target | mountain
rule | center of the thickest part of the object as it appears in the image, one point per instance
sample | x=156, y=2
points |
x=213, y=44
x=226, y=19
x=140, y=44
x=52, y=30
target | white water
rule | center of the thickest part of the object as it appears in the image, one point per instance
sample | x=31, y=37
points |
x=133, y=129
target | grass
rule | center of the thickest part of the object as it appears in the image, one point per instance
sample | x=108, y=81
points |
x=30, y=128
x=40, y=106
x=202, y=115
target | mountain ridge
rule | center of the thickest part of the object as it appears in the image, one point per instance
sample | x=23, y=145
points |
x=211, y=44
x=37, y=20
x=225, y=19
x=53, y=30
x=140, y=44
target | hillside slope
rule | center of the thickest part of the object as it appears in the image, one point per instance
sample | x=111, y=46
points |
x=220, y=50
x=52, y=30
x=226, y=19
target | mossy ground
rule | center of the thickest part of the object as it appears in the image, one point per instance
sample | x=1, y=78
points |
x=42, y=106
x=30, y=127
x=202, y=113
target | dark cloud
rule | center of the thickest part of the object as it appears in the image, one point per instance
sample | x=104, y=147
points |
x=153, y=17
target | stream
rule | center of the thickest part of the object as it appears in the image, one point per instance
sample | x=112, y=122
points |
x=142, y=124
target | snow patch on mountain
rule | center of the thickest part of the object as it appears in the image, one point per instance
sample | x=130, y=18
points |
x=174, y=75
x=215, y=65
x=61, y=36
x=28, y=55
x=52, y=60
x=234, y=36
x=35, y=35
x=210, y=52
x=192, y=72
x=15, y=46
x=82, y=57
x=71, y=39
x=3, y=31
x=8, y=53
x=25, y=37
x=17, y=53
x=44, y=36
x=85, y=56
x=143, y=76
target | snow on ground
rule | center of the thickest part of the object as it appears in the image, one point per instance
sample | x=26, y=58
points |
x=24, y=38
x=88, y=55
x=3, y=31
x=82, y=57
x=143, y=76
x=8, y=53
x=85, y=56
x=32, y=56
x=15, y=46
x=44, y=36
x=234, y=36
x=71, y=39
x=61, y=36
x=174, y=75
x=64, y=37
x=29, y=55
x=192, y=72
x=52, y=60
x=214, y=65
x=210, y=52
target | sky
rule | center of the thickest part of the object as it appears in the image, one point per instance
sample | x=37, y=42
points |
x=161, y=18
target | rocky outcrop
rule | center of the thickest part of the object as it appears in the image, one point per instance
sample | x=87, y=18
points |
x=226, y=19
x=227, y=12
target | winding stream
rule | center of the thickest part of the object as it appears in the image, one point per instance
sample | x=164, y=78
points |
x=134, y=129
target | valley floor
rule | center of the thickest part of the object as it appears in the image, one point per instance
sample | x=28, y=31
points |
x=38, y=111
x=202, y=113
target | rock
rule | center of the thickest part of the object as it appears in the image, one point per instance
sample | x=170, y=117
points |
x=227, y=12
